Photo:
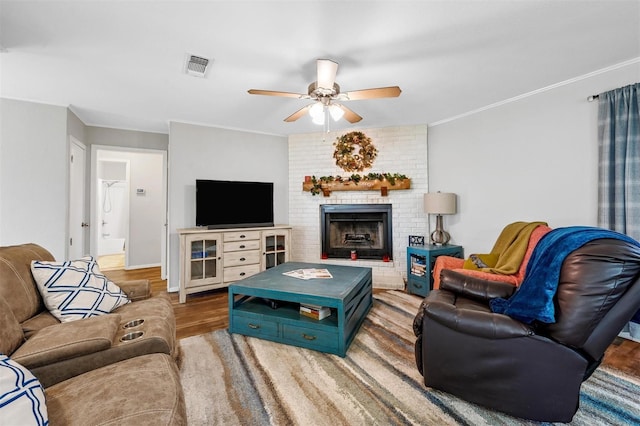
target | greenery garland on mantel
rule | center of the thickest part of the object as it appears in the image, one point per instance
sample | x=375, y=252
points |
x=317, y=182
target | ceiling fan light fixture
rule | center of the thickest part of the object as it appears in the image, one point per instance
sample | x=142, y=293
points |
x=317, y=111
x=324, y=91
x=336, y=112
x=319, y=119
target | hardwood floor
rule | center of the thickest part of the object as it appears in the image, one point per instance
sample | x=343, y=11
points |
x=111, y=262
x=208, y=311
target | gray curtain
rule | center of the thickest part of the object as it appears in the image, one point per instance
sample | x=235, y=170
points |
x=619, y=166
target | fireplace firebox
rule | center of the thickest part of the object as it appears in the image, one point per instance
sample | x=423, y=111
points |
x=361, y=229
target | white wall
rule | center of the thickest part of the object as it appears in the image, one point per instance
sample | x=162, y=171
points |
x=33, y=175
x=147, y=211
x=200, y=152
x=400, y=150
x=532, y=159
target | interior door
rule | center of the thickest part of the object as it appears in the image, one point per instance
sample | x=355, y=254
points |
x=77, y=224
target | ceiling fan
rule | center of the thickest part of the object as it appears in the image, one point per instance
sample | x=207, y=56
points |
x=326, y=92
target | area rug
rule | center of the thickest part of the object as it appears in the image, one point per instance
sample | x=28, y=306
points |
x=229, y=379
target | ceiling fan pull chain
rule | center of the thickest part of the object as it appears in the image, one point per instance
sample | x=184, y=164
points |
x=326, y=120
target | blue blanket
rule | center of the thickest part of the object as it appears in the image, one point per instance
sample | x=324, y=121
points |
x=533, y=300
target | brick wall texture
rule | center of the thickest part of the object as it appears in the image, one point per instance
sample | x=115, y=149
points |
x=400, y=150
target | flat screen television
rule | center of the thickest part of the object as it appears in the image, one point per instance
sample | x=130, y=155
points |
x=233, y=204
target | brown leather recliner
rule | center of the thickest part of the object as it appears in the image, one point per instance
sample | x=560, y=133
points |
x=533, y=371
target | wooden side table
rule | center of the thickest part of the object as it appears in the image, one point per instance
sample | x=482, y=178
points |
x=420, y=262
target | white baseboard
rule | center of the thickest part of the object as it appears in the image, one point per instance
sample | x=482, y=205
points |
x=627, y=335
x=388, y=281
x=131, y=268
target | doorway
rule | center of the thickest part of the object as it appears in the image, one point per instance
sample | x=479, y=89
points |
x=128, y=207
x=113, y=213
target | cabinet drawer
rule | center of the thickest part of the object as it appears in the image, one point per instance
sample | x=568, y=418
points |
x=236, y=273
x=254, y=327
x=242, y=245
x=236, y=258
x=315, y=339
x=241, y=236
x=419, y=287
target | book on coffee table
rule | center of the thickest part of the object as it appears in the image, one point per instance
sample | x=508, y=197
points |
x=315, y=311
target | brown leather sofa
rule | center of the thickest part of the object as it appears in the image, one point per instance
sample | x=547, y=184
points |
x=55, y=351
x=144, y=390
x=90, y=374
x=529, y=370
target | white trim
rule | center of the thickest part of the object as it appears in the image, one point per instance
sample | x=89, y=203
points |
x=131, y=129
x=151, y=265
x=535, y=92
x=194, y=123
x=627, y=335
x=16, y=98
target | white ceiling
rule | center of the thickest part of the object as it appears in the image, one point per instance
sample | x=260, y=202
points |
x=121, y=63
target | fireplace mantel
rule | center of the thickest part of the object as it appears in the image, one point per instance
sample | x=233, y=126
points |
x=364, y=185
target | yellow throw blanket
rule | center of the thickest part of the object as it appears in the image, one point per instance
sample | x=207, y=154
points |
x=509, y=250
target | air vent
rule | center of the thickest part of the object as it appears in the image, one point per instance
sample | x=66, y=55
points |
x=196, y=65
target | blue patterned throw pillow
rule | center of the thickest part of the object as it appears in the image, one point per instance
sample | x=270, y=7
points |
x=22, y=399
x=76, y=289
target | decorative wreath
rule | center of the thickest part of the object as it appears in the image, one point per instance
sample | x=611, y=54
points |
x=345, y=148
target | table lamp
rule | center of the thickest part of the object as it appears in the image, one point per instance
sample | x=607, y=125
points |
x=440, y=203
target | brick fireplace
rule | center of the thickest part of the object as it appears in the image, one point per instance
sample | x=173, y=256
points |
x=400, y=150
x=363, y=231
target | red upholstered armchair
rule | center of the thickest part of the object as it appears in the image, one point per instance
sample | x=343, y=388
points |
x=505, y=248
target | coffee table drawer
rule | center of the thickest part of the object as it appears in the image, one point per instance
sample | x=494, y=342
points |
x=310, y=338
x=255, y=327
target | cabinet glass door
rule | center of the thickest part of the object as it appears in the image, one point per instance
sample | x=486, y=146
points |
x=204, y=259
x=275, y=249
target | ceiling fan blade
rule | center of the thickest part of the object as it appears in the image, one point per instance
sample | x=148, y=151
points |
x=380, y=92
x=327, y=70
x=349, y=115
x=274, y=93
x=299, y=113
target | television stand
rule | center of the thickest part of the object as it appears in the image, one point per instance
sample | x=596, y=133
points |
x=211, y=259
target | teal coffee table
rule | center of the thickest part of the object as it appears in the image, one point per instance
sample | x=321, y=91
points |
x=348, y=294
